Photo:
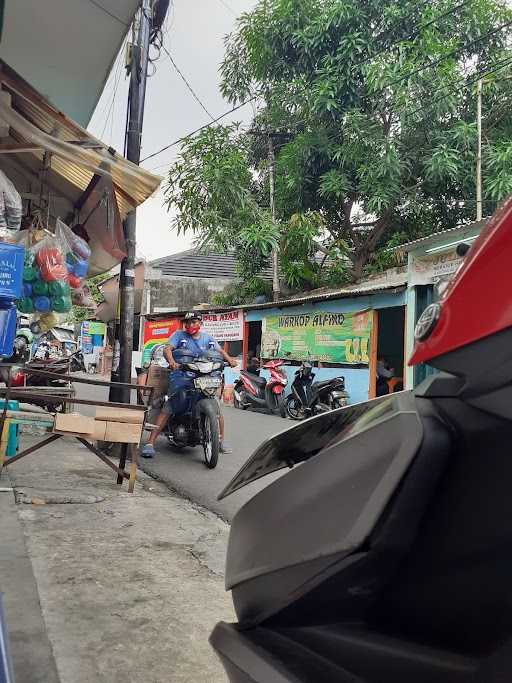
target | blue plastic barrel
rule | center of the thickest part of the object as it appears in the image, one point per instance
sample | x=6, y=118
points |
x=11, y=271
x=13, y=436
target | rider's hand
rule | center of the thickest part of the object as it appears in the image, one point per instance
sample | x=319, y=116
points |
x=232, y=362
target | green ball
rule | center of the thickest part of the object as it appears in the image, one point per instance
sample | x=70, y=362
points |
x=30, y=274
x=28, y=258
x=58, y=288
x=40, y=288
x=61, y=304
x=25, y=305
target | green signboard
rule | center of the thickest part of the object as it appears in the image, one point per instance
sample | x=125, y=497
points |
x=318, y=335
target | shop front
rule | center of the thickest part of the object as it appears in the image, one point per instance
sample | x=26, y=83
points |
x=342, y=333
x=431, y=263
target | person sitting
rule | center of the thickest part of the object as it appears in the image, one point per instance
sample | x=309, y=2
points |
x=384, y=372
x=192, y=339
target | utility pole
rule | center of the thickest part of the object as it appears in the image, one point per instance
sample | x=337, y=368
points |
x=276, y=289
x=479, y=151
x=136, y=97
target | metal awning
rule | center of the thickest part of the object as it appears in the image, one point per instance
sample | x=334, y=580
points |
x=36, y=127
x=66, y=48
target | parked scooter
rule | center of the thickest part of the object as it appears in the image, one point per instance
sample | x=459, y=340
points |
x=195, y=412
x=252, y=391
x=386, y=556
x=308, y=398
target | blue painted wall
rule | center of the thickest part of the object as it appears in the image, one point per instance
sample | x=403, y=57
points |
x=356, y=379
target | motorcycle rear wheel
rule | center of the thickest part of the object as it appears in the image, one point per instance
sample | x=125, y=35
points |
x=294, y=409
x=210, y=436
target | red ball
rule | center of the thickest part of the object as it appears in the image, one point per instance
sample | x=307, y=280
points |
x=74, y=281
x=49, y=256
x=56, y=271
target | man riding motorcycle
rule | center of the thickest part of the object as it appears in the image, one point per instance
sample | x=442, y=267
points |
x=192, y=339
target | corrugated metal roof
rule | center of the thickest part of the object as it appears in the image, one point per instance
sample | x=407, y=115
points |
x=451, y=232
x=36, y=122
x=197, y=264
x=364, y=289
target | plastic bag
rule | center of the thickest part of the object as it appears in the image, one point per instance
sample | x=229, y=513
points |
x=11, y=209
x=53, y=268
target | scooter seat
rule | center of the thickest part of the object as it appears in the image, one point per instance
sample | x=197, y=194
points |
x=259, y=381
x=322, y=384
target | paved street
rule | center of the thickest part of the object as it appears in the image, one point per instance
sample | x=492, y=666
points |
x=184, y=471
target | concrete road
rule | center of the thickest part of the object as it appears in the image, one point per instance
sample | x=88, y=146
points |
x=184, y=471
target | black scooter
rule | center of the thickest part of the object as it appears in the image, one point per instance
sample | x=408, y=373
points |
x=308, y=398
x=384, y=554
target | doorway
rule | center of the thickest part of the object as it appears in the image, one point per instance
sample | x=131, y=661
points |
x=388, y=351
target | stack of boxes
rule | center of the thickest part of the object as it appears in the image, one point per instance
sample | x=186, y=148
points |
x=118, y=425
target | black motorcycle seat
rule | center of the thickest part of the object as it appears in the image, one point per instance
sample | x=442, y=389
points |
x=323, y=383
x=259, y=381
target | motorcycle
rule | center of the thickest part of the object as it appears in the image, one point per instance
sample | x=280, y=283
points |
x=195, y=413
x=252, y=391
x=384, y=554
x=309, y=398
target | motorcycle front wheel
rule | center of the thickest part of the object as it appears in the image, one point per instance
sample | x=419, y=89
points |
x=294, y=409
x=210, y=435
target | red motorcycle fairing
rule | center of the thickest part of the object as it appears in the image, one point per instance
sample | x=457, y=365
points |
x=478, y=301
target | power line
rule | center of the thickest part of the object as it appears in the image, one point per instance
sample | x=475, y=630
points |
x=486, y=72
x=110, y=14
x=184, y=79
x=412, y=36
x=230, y=9
x=117, y=80
x=198, y=130
x=438, y=61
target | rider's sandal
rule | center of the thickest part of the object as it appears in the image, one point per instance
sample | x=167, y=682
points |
x=148, y=451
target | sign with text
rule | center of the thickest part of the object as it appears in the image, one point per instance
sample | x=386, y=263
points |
x=91, y=327
x=157, y=332
x=224, y=326
x=430, y=269
x=318, y=335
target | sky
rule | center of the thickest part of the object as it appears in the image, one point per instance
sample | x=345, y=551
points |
x=194, y=36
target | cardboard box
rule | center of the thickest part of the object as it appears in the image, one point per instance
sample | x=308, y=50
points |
x=122, y=432
x=100, y=428
x=120, y=415
x=158, y=378
x=74, y=423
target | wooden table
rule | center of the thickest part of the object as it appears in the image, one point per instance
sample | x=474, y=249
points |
x=46, y=420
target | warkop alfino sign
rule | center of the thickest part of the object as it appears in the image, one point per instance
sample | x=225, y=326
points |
x=322, y=336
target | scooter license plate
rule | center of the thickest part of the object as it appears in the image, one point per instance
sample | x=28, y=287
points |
x=207, y=383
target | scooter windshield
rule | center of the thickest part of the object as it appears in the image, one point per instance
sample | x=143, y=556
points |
x=307, y=439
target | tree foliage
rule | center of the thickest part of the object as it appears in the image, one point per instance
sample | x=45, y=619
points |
x=375, y=108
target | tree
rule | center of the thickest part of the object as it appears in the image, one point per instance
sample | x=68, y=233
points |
x=374, y=102
x=81, y=313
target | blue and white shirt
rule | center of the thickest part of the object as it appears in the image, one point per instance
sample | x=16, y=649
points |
x=183, y=341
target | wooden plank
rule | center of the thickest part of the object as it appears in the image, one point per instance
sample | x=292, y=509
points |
x=121, y=473
x=372, y=385
x=69, y=399
x=79, y=380
x=122, y=461
x=17, y=148
x=133, y=468
x=33, y=448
